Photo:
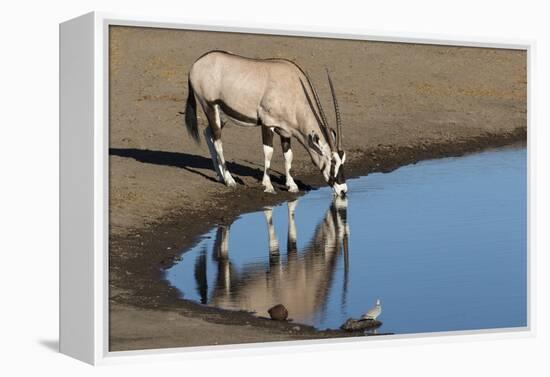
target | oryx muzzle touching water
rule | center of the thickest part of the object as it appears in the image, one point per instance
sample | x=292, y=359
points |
x=275, y=94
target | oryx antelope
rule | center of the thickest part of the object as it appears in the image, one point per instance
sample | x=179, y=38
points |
x=275, y=94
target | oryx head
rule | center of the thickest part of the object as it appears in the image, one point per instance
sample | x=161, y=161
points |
x=325, y=147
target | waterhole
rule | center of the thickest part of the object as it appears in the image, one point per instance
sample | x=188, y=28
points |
x=442, y=244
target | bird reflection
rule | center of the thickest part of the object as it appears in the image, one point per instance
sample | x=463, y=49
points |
x=301, y=280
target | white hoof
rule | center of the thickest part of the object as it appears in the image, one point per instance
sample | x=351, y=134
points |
x=229, y=181
x=268, y=187
x=292, y=188
x=270, y=190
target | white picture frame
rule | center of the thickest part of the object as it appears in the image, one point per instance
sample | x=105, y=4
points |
x=84, y=188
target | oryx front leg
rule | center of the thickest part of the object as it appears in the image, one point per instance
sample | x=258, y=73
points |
x=213, y=136
x=287, y=152
x=291, y=240
x=267, y=141
x=272, y=236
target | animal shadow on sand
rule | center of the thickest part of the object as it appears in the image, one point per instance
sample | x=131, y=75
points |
x=192, y=162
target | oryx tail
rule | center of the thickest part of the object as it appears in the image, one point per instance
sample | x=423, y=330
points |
x=191, y=113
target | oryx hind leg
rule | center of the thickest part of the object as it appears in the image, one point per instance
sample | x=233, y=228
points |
x=287, y=152
x=213, y=154
x=213, y=135
x=267, y=141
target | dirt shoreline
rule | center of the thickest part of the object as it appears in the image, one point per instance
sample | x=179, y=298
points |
x=400, y=103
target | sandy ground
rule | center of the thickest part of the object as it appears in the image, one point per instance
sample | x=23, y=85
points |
x=170, y=328
x=400, y=103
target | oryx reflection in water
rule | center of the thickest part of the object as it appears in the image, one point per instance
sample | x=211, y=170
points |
x=300, y=280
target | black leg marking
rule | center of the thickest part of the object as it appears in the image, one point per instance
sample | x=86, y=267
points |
x=267, y=141
x=285, y=144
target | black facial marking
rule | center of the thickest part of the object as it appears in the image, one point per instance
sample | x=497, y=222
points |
x=313, y=140
x=340, y=178
x=332, y=167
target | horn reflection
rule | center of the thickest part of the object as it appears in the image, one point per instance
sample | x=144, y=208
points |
x=300, y=280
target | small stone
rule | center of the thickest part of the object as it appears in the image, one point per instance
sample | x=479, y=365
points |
x=296, y=328
x=278, y=313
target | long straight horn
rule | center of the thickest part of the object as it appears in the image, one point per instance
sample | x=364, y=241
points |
x=337, y=111
x=325, y=127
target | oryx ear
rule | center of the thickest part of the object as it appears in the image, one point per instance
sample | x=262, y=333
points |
x=343, y=157
x=313, y=141
x=333, y=134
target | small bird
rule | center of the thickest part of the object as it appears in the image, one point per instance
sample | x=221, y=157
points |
x=374, y=312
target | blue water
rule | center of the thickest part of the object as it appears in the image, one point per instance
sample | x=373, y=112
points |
x=442, y=244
